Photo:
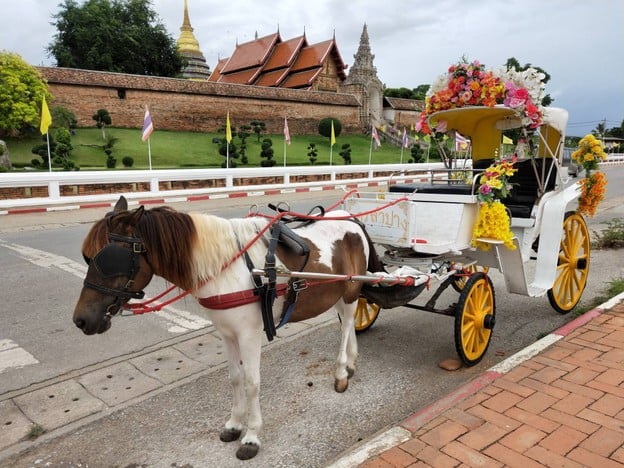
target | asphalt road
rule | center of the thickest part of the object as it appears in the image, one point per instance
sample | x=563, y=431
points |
x=306, y=422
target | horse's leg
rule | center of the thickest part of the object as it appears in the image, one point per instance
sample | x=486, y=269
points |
x=251, y=347
x=345, y=363
x=234, y=427
x=352, y=347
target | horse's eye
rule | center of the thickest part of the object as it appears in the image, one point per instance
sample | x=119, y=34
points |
x=86, y=259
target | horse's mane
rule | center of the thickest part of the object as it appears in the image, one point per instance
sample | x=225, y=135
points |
x=220, y=239
x=185, y=249
x=169, y=237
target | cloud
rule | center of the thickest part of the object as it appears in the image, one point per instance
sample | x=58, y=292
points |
x=577, y=42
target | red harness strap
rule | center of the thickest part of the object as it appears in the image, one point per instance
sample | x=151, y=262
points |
x=237, y=298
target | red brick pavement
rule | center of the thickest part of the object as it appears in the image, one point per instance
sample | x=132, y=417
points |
x=562, y=407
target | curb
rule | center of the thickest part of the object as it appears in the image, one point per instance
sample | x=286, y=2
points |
x=403, y=430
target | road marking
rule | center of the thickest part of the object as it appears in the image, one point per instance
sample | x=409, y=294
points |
x=11, y=355
x=176, y=320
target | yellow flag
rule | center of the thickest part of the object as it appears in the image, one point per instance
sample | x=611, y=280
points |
x=507, y=140
x=46, y=118
x=333, y=135
x=228, y=129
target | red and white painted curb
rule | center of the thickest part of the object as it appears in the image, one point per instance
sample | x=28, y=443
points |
x=404, y=430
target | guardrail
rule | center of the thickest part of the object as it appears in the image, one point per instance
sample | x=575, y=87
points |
x=158, y=182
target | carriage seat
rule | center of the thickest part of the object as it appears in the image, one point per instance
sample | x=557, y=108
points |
x=447, y=189
x=450, y=189
x=524, y=190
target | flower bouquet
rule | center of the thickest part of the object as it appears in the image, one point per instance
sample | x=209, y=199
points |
x=470, y=84
x=590, y=151
x=493, y=219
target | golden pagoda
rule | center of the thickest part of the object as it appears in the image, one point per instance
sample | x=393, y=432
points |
x=195, y=67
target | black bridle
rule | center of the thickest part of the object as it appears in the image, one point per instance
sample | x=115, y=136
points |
x=115, y=260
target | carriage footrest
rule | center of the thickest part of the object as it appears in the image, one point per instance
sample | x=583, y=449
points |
x=388, y=297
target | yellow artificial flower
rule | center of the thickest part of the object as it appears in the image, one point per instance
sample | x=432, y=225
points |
x=492, y=223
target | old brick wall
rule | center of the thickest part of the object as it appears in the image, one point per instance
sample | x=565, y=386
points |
x=180, y=104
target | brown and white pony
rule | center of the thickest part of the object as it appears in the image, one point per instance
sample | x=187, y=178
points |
x=195, y=252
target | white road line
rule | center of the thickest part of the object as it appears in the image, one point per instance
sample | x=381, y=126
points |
x=11, y=355
x=176, y=320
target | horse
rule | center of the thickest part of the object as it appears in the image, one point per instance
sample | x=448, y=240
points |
x=212, y=257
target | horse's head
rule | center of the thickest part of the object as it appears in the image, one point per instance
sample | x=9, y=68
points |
x=118, y=268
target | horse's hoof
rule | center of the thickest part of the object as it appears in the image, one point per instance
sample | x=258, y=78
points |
x=350, y=372
x=341, y=385
x=230, y=435
x=247, y=451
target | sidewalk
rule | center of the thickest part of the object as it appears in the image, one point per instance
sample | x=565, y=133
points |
x=559, y=402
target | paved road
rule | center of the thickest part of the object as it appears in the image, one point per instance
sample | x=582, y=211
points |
x=162, y=390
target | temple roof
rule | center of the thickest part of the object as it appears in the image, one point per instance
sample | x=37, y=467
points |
x=270, y=61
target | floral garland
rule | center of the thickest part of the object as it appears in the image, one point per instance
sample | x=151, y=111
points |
x=593, y=187
x=493, y=219
x=470, y=84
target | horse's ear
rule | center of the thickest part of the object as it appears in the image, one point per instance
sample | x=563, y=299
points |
x=121, y=205
x=136, y=215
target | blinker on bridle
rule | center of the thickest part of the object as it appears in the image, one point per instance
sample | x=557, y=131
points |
x=115, y=260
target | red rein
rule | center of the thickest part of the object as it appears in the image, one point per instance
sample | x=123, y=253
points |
x=226, y=301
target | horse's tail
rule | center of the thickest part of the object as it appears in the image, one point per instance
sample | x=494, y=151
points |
x=374, y=262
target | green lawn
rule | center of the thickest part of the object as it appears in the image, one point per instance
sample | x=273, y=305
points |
x=188, y=149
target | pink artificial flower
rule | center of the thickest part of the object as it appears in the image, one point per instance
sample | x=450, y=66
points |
x=485, y=189
x=441, y=126
x=521, y=93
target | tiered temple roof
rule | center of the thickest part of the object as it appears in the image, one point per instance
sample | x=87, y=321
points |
x=295, y=64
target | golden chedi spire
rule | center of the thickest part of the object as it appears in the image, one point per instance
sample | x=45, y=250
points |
x=188, y=47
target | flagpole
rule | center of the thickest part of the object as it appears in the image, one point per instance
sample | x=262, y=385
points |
x=227, y=155
x=284, y=151
x=370, y=151
x=149, y=153
x=49, y=157
x=401, y=161
x=331, y=148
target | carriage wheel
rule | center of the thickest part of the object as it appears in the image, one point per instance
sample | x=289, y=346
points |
x=474, y=318
x=365, y=314
x=461, y=279
x=572, y=266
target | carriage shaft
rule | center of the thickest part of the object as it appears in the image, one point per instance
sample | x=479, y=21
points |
x=386, y=280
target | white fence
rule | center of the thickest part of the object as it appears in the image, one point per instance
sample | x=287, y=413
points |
x=230, y=177
x=337, y=175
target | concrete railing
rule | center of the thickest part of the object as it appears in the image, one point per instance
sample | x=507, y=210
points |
x=223, y=180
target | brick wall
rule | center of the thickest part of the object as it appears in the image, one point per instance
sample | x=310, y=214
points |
x=180, y=104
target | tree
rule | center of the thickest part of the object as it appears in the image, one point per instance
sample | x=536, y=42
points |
x=325, y=127
x=417, y=93
x=124, y=36
x=63, y=117
x=230, y=152
x=22, y=90
x=417, y=153
x=312, y=153
x=617, y=132
x=258, y=127
x=243, y=134
x=267, y=153
x=346, y=153
x=102, y=119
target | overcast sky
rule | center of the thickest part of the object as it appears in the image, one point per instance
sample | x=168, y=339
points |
x=580, y=43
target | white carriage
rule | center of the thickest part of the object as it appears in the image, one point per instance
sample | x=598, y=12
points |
x=428, y=233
